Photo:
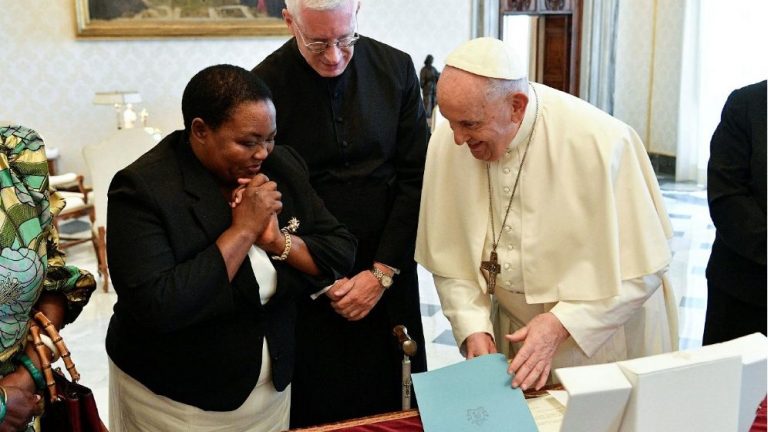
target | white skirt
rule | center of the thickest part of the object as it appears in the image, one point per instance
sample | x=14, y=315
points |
x=135, y=408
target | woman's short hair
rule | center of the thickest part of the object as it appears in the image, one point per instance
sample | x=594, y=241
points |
x=214, y=92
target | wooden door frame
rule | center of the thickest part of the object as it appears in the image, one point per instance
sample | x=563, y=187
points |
x=574, y=48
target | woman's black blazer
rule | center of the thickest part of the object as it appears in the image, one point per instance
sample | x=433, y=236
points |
x=179, y=326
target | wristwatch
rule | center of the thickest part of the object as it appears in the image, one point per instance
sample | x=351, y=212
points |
x=384, y=279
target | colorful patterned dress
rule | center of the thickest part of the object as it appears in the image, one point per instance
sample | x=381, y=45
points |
x=30, y=259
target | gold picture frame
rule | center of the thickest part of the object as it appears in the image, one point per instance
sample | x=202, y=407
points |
x=179, y=18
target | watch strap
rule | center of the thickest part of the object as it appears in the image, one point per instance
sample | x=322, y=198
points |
x=380, y=275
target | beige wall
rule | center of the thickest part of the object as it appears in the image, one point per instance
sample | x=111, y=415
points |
x=648, y=70
x=48, y=77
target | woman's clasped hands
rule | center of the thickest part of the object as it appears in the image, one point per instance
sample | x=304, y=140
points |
x=255, y=203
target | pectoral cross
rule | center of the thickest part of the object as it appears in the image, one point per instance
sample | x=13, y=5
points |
x=493, y=268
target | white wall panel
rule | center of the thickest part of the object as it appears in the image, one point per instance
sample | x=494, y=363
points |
x=48, y=77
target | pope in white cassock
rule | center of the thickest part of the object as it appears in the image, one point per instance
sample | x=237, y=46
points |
x=546, y=234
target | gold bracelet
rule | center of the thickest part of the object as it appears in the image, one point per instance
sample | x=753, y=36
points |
x=287, y=249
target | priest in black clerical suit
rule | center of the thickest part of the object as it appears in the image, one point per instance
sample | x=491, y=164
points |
x=351, y=106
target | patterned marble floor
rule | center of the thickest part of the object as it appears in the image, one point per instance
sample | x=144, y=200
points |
x=693, y=236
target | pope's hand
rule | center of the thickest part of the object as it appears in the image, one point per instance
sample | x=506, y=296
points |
x=540, y=338
x=357, y=296
x=478, y=344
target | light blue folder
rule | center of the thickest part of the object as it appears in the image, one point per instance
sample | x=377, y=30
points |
x=473, y=395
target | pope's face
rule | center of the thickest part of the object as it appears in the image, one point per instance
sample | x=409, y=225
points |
x=239, y=146
x=485, y=122
x=330, y=26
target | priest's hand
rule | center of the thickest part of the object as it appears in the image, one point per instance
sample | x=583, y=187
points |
x=331, y=293
x=357, y=296
x=478, y=344
x=540, y=338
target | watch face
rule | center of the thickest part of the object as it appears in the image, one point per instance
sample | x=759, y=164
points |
x=386, y=281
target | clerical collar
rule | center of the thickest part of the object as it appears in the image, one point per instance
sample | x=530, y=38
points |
x=526, y=127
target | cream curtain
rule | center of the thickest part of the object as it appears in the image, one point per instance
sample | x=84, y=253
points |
x=598, y=53
x=647, y=73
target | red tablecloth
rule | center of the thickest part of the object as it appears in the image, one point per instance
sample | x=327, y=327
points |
x=759, y=424
x=409, y=421
x=401, y=421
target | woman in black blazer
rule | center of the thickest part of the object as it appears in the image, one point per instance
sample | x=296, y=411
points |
x=202, y=334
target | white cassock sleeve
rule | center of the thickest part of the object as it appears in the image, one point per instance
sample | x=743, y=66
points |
x=466, y=306
x=592, y=323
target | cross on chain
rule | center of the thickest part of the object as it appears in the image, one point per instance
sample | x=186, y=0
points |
x=493, y=268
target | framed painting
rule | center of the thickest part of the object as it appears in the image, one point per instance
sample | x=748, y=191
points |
x=179, y=18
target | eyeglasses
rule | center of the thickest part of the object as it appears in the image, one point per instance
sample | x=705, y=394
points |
x=319, y=47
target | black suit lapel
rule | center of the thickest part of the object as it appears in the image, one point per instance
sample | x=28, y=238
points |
x=214, y=215
x=208, y=205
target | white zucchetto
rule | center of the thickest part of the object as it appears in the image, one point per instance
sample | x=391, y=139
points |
x=487, y=57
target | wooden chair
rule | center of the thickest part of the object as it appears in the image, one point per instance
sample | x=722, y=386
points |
x=79, y=204
x=104, y=160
